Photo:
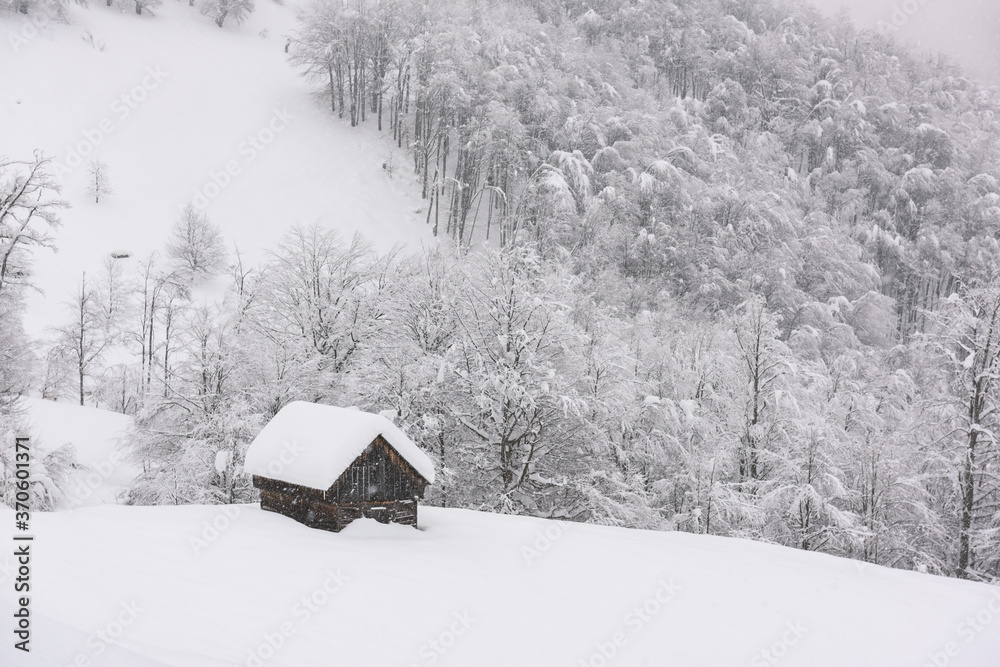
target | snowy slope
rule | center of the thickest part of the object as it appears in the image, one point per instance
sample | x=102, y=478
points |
x=95, y=436
x=170, y=101
x=210, y=586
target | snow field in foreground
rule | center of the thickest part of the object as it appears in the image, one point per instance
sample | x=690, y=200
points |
x=216, y=585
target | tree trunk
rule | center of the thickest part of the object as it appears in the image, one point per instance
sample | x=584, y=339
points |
x=966, y=475
x=333, y=90
x=967, y=483
x=81, y=341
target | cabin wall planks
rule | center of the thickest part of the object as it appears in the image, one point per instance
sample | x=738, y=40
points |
x=378, y=485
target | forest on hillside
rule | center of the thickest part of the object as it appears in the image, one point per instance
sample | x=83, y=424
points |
x=720, y=266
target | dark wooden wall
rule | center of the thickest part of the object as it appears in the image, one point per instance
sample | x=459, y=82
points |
x=328, y=516
x=378, y=475
x=379, y=485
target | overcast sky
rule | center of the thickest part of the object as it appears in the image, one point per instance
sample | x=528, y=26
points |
x=969, y=30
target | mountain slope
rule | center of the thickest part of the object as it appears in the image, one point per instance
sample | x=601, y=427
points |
x=169, y=102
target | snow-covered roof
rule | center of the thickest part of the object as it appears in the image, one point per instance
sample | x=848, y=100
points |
x=311, y=444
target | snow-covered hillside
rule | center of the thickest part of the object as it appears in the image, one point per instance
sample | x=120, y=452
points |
x=95, y=435
x=198, y=586
x=168, y=102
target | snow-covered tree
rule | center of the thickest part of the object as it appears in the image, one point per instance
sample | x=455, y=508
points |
x=48, y=473
x=87, y=336
x=98, y=180
x=516, y=394
x=17, y=361
x=220, y=10
x=321, y=295
x=970, y=341
x=29, y=211
x=196, y=246
x=762, y=361
x=191, y=436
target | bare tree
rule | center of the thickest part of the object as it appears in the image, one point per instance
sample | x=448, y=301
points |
x=28, y=211
x=113, y=292
x=86, y=338
x=196, y=245
x=760, y=356
x=98, y=180
x=149, y=293
x=96, y=326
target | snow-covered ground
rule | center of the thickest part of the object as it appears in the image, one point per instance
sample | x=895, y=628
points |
x=95, y=435
x=201, y=586
x=168, y=103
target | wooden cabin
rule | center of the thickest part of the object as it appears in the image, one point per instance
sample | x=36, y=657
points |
x=326, y=466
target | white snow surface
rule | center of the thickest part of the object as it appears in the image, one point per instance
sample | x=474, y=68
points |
x=221, y=461
x=310, y=444
x=216, y=586
x=96, y=438
x=183, y=98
